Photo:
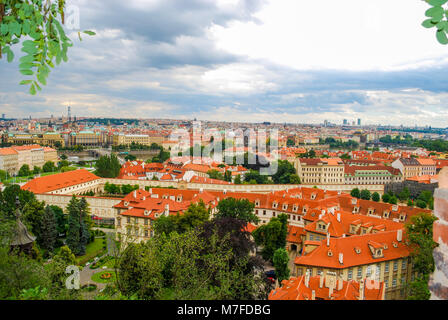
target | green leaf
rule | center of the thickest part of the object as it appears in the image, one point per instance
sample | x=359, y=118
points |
x=437, y=2
x=441, y=25
x=27, y=59
x=91, y=33
x=23, y=82
x=41, y=78
x=428, y=23
x=441, y=37
x=37, y=86
x=435, y=12
x=4, y=29
x=25, y=65
x=26, y=72
x=30, y=50
x=33, y=89
x=9, y=54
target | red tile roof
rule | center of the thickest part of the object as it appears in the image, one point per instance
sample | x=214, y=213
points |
x=59, y=181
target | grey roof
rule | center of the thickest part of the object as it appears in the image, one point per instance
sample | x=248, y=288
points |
x=409, y=162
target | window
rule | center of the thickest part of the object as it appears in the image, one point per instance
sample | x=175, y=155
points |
x=129, y=219
x=386, y=283
x=395, y=265
x=359, y=272
x=350, y=274
x=146, y=222
x=404, y=264
x=146, y=233
x=394, y=282
x=369, y=271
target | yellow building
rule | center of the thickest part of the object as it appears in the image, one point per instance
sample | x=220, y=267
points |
x=382, y=257
x=320, y=171
x=128, y=139
x=51, y=139
x=85, y=138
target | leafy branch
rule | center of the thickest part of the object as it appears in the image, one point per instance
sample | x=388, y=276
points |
x=438, y=17
x=38, y=24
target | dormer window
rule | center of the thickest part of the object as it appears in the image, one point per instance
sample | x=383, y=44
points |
x=402, y=217
x=378, y=253
x=330, y=253
x=294, y=208
x=147, y=212
x=285, y=206
x=395, y=207
x=386, y=214
x=274, y=205
x=304, y=210
x=371, y=210
x=356, y=210
x=357, y=250
x=126, y=203
x=257, y=203
x=313, y=196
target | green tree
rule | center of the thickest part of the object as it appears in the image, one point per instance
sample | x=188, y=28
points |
x=238, y=179
x=215, y=174
x=420, y=236
x=37, y=26
x=74, y=225
x=272, y=236
x=66, y=255
x=385, y=198
x=376, y=197
x=365, y=194
x=241, y=209
x=284, y=172
x=108, y=166
x=49, y=231
x=281, y=261
x=24, y=171
x=33, y=213
x=393, y=200
x=61, y=219
x=421, y=204
x=355, y=193
x=49, y=167
x=36, y=170
x=404, y=194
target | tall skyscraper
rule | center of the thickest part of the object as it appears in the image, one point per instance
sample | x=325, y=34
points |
x=69, y=116
x=3, y=116
x=345, y=122
x=359, y=122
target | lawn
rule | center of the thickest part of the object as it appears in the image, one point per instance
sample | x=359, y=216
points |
x=92, y=250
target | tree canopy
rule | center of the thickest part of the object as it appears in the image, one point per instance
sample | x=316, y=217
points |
x=37, y=25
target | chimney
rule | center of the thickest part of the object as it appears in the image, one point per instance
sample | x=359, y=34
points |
x=400, y=235
x=340, y=284
x=341, y=258
x=167, y=210
x=328, y=239
x=135, y=193
x=307, y=279
x=313, y=295
x=338, y=217
x=321, y=281
x=361, y=290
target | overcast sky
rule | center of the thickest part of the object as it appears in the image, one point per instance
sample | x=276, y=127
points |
x=302, y=61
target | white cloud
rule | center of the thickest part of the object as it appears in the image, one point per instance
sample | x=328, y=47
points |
x=344, y=34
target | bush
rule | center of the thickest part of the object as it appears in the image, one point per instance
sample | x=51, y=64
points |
x=421, y=204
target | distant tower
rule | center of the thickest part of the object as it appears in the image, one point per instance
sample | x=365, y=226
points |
x=3, y=116
x=359, y=122
x=69, y=115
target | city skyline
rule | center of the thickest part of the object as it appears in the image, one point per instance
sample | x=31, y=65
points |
x=246, y=61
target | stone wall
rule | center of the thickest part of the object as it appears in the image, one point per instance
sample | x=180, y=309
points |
x=414, y=187
x=439, y=280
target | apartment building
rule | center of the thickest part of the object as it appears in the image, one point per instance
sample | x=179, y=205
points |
x=86, y=139
x=412, y=167
x=128, y=139
x=328, y=287
x=320, y=171
x=382, y=256
x=51, y=139
x=369, y=175
x=13, y=158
